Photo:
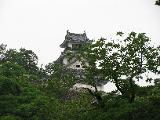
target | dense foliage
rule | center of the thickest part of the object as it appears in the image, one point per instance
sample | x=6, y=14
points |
x=122, y=61
x=28, y=92
x=157, y=2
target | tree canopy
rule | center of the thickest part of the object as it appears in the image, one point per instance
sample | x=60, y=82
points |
x=112, y=60
x=30, y=92
x=157, y=2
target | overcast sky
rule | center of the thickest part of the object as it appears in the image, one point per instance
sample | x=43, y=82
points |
x=40, y=25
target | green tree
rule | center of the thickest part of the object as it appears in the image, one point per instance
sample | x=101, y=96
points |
x=157, y=2
x=23, y=57
x=11, y=70
x=138, y=57
x=9, y=86
x=92, y=73
x=21, y=100
x=130, y=57
x=26, y=59
x=60, y=80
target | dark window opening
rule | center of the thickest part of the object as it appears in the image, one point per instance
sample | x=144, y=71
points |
x=77, y=66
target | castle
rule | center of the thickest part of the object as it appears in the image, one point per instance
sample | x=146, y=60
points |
x=71, y=44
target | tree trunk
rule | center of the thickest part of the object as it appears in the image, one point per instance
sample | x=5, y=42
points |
x=97, y=96
x=118, y=86
x=131, y=96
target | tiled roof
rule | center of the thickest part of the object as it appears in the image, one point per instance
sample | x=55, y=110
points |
x=74, y=38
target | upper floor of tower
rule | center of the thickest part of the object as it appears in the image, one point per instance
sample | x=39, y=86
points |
x=73, y=40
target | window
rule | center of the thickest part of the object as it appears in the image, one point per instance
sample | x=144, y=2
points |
x=78, y=66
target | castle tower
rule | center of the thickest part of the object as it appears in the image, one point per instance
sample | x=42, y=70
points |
x=71, y=44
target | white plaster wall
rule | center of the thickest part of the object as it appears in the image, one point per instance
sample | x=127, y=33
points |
x=73, y=66
x=65, y=61
x=70, y=45
x=80, y=85
x=105, y=88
